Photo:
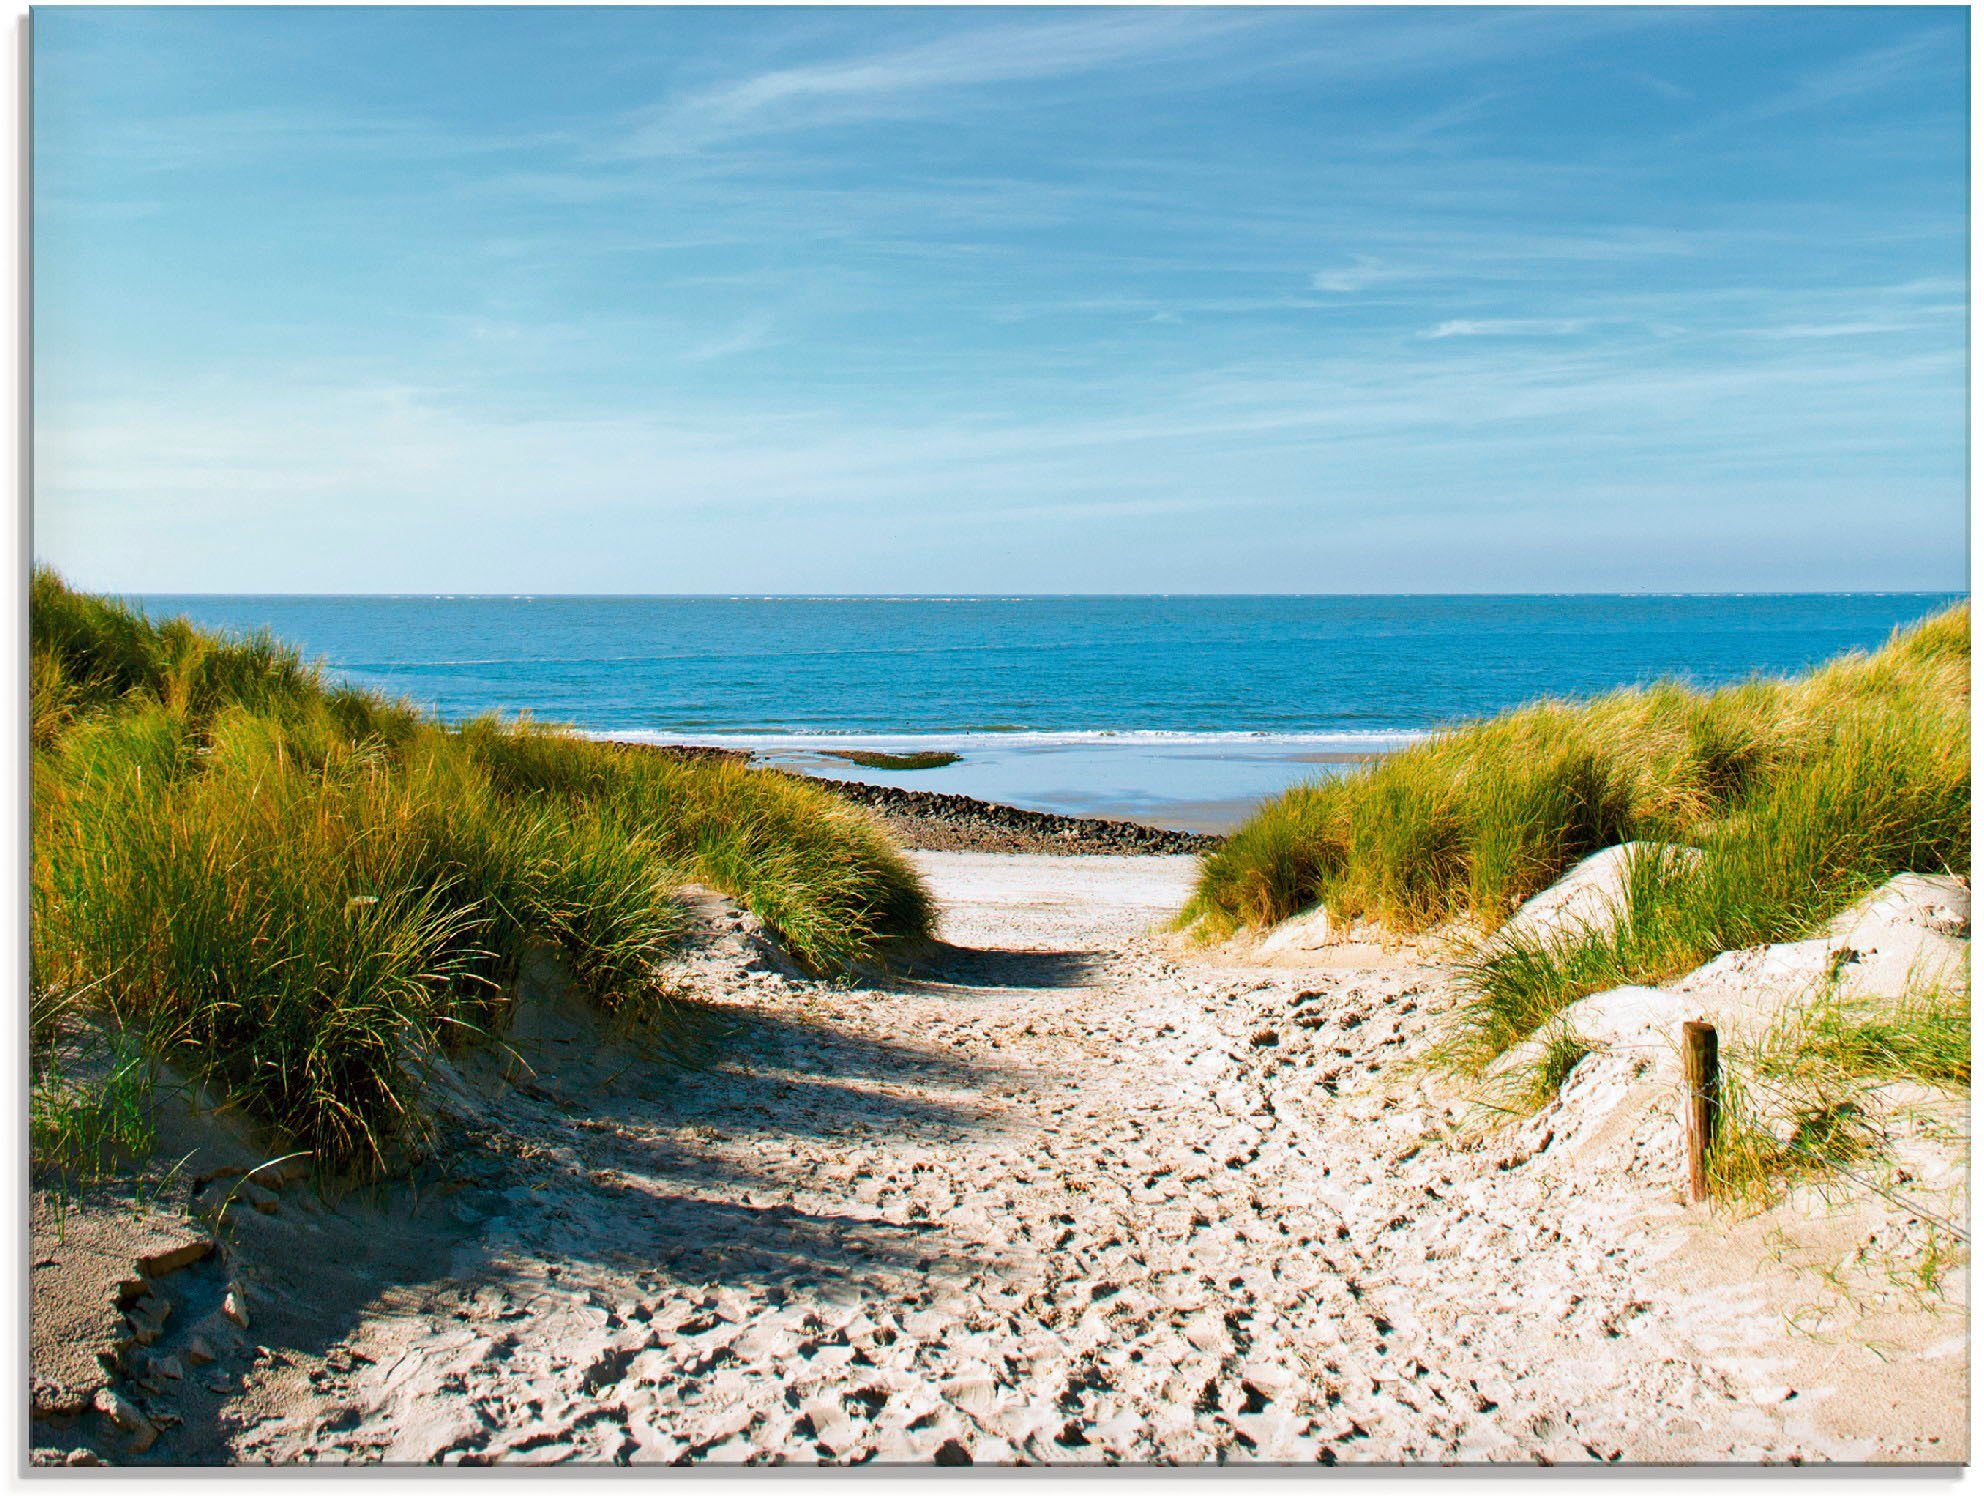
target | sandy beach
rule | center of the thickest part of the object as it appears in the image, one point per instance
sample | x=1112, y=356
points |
x=995, y=736
x=1071, y=1193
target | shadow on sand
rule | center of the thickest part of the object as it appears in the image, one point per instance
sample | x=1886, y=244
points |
x=996, y=970
x=604, y=1162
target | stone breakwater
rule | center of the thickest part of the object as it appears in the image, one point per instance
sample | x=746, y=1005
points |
x=695, y=752
x=933, y=822
x=928, y=821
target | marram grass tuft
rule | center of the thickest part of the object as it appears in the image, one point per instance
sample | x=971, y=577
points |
x=294, y=890
x=1802, y=794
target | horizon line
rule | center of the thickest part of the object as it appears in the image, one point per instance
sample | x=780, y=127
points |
x=509, y=595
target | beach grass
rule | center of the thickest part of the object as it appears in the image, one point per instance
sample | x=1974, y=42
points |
x=928, y=759
x=1809, y=1097
x=1802, y=794
x=294, y=890
x=1529, y=1088
x=87, y=1127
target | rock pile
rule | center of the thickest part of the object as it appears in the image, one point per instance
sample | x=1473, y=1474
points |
x=932, y=822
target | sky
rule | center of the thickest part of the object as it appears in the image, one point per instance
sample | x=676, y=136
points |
x=982, y=300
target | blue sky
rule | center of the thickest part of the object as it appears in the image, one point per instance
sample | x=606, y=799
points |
x=1001, y=300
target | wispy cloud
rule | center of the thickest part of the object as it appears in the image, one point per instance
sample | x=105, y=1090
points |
x=1456, y=252
x=1667, y=88
x=1507, y=327
x=1003, y=280
x=889, y=82
x=1346, y=46
x=1910, y=60
x=1362, y=273
x=1867, y=72
x=1835, y=329
x=750, y=333
x=457, y=477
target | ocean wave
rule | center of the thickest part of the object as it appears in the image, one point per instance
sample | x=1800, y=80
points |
x=821, y=740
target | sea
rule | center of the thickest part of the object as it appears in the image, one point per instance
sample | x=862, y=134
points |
x=1182, y=711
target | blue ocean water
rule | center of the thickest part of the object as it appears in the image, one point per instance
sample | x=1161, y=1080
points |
x=1176, y=709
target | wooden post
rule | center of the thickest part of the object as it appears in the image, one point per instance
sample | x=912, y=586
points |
x=1700, y=1081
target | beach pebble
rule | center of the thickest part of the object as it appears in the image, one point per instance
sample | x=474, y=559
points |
x=126, y=1414
x=257, y=1195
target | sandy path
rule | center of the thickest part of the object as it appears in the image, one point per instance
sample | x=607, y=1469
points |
x=1063, y=1199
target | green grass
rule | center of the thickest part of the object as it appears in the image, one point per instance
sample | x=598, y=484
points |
x=1802, y=795
x=932, y=759
x=1533, y=1086
x=1806, y=1100
x=87, y=1124
x=1925, y=1038
x=1889, y=794
x=294, y=890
